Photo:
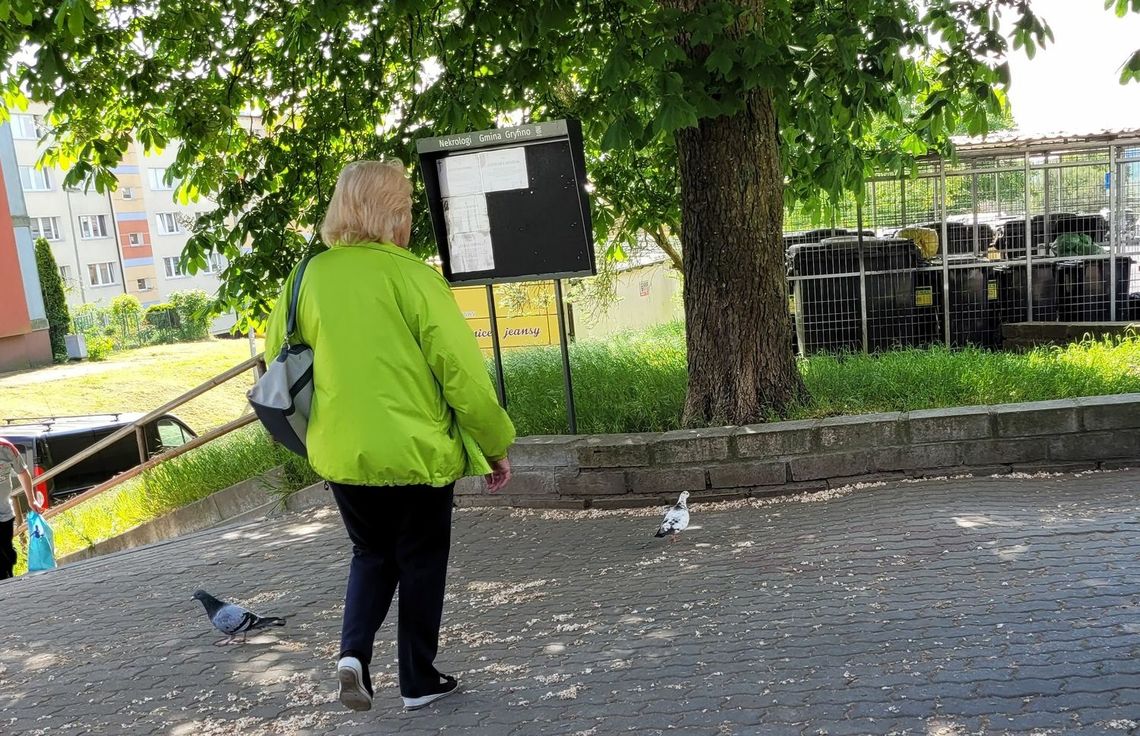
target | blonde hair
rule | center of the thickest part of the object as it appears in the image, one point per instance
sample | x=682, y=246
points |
x=372, y=203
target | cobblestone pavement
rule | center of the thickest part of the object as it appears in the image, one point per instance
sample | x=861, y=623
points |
x=939, y=608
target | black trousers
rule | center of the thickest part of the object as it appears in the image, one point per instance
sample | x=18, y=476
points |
x=7, y=548
x=400, y=537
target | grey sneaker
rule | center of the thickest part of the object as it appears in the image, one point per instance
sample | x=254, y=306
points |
x=448, y=685
x=354, y=693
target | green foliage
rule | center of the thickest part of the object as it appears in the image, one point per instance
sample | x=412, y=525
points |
x=193, y=310
x=163, y=316
x=338, y=81
x=55, y=302
x=99, y=346
x=90, y=319
x=126, y=308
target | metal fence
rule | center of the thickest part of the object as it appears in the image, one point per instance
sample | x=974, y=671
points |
x=1032, y=232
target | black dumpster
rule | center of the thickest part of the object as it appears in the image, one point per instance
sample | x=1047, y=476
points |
x=1083, y=289
x=962, y=238
x=973, y=298
x=828, y=299
x=1013, y=296
x=825, y=287
x=1011, y=233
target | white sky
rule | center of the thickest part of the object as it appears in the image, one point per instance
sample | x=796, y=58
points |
x=1074, y=84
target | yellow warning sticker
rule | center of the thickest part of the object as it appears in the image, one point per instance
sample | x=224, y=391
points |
x=924, y=297
x=791, y=304
x=992, y=290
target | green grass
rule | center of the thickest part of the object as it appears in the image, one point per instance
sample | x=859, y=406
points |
x=633, y=382
x=134, y=381
x=636, y=382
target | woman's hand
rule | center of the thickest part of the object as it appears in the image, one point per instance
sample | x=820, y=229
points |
x=500, y=475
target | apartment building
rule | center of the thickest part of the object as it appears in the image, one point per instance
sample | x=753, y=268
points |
x=24, y=339
x=124, y=242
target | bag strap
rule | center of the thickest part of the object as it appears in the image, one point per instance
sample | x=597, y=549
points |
x=294, y=297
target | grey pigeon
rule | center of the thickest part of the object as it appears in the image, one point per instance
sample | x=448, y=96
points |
x=232, y=619
x=676, y=519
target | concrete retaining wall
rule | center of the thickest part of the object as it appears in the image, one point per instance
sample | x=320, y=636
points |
x=733, y=462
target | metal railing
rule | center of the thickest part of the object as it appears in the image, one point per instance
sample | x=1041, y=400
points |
x=137, y=428
x=1024, y=232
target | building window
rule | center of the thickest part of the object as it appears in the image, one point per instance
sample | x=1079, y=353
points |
x=27, y=127
x=66, y=275
x=134, y=239
x=157, y=178
x=103, y=274
x=215, y=263
x=168, y=223
x=144, y=285
x=35, y=180
x=173, y=268
x=92, y=226
x=46, y=228
x=128, y=193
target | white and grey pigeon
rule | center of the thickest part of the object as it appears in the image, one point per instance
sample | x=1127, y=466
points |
x=676, y=519
x=231, y=619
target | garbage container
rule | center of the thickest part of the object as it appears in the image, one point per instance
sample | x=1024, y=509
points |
x=1013, y=295
x=1083, y=288
x=971, y=292
x=825, y=290
x=829, y=299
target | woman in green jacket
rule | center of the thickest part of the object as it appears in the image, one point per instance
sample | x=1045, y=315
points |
x=399, y=385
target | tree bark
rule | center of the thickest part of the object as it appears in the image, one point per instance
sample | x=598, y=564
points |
x=741, y=365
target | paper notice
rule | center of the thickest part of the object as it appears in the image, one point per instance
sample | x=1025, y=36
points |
x=460, y=175
x=466, y=214
x=505, y=169
x=471, y=251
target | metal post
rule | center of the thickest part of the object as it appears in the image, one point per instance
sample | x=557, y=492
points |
x=945, y=248
x=496, y=348
x=1028, y=243
x=571, y=414
x=140, y=438
x=862, y=278
x=902, y=201
x=1113, y=238
x=974, y=202
x=1047, y=191
x=874, y=207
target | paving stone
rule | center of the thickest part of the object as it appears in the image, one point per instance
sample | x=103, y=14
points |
x=1002, y=606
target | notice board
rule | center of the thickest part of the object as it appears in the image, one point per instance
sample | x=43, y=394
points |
x=510, y=204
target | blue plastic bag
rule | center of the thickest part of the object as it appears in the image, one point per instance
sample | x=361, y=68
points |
x=41, y=545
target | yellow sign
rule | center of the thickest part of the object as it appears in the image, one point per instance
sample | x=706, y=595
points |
x=534, y=323
x=992, y=290
x=791, y=303
x=924, y=297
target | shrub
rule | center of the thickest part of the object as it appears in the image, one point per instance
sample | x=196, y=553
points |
x=193, y=313
x=90, y=319
x=99, y=347
x=163, y=316
x=55, y=302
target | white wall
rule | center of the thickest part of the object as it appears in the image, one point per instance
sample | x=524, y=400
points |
x=647, y=296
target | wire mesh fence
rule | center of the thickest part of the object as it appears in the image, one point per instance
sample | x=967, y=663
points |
x=950, y=254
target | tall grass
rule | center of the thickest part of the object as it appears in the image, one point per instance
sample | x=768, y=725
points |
x=633, y=382
x=636, y=382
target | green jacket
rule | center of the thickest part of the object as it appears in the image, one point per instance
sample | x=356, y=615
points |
x=399, y=379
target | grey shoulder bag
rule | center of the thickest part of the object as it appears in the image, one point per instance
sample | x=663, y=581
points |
x=282, y=397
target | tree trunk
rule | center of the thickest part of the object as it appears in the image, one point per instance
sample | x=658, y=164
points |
x=742, y=368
